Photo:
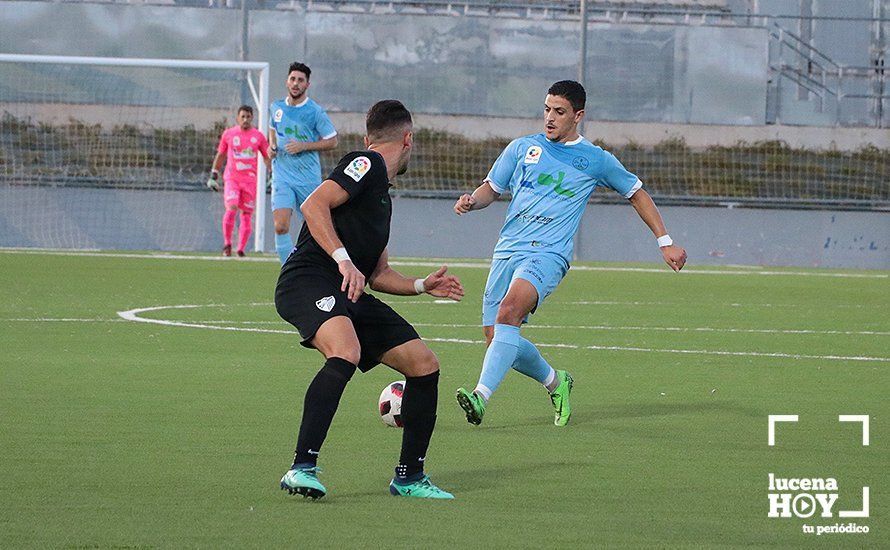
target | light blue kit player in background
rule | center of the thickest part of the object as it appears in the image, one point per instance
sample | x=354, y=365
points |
x=298, y=129
x=550, y=176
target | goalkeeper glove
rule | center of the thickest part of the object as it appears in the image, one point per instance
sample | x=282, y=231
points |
x=212, y=183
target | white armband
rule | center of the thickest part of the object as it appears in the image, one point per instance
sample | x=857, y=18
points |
x=340, y=255
x=665, y=240
x=419, y=286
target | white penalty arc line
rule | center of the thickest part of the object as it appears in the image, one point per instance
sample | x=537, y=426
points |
x=133, y=315
x=469, y=264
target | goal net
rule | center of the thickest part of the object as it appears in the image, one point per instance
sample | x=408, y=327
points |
x=108, y=153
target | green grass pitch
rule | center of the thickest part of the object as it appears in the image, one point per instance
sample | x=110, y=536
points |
x=118, y=433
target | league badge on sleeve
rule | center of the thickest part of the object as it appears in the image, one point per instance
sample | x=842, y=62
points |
x=358, y=168
x=533, y=155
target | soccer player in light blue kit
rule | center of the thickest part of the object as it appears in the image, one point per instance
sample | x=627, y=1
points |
x=550, y=176
x=299, y=128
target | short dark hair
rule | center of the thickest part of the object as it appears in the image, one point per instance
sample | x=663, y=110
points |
x=247, y=108
x=386, y=119
x=302, y=67
x=572, y=91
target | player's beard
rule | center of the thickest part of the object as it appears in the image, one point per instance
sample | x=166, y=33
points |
x=403, y=166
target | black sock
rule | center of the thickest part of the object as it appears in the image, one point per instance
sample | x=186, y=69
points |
x=419, y=416
x=322, y=399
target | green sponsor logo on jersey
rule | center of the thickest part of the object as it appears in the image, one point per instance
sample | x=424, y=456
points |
x=549, y=179
x=294, y=131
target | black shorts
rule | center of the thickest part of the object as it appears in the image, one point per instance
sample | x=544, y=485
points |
x=308, y=295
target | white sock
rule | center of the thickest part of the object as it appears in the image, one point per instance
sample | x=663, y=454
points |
x=551, y=381
x=483, y=391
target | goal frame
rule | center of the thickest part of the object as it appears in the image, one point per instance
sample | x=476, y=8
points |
x=259, y=92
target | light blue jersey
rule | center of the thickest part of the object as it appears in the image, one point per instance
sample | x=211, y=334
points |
x=551, y=183
x=304, y=122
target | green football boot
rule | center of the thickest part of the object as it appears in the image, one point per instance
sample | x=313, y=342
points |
x=560, y=398
x=472, y=404
x=422, y=488
x=303, y=481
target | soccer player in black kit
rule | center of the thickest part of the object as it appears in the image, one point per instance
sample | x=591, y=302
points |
x=342, y=245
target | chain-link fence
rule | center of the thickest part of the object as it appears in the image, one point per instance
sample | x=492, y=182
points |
x=76, y=154
x=707, y=66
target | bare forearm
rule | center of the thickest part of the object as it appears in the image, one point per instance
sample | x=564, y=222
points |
x=484, y=195
x=391, y=281
x=273, y=144
x=645, y=207
x=321, y=145
x=217, y=162
x=321, y=226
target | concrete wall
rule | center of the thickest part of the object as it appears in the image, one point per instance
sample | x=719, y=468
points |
x=158, y=220
x=711, y=236
x=434, y=63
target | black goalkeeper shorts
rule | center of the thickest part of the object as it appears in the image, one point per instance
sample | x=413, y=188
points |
x=308, y=295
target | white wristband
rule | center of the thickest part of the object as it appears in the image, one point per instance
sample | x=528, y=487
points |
x=419, y=286
x=665, y=240
x=340, y=255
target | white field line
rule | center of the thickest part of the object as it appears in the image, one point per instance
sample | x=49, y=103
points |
x=526, y=327
x=133, y=315
x=606, y=328
x=742, y=270
x=718, y=304
x=682, y=351
x=669, y=304
x=59, y=320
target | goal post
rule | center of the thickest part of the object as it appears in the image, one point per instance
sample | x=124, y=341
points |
x=116, y=124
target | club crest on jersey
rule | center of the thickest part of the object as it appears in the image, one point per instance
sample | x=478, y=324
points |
x=236, y=141
x=326, y=304
x=278, y=114
x=533, y=155
x=358, y=168
x=253, y=140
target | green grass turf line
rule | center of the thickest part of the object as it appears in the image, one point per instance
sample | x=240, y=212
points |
x=121, y=434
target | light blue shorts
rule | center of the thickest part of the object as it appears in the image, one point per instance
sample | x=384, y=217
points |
x=543, y=270
x=286, y=195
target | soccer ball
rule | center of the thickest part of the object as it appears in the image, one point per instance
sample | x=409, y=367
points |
x=390, y=404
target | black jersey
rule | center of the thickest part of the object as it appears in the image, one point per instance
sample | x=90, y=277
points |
x=362, y=222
